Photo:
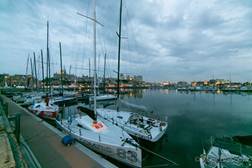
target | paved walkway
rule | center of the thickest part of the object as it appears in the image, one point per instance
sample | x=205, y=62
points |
x=44, y=141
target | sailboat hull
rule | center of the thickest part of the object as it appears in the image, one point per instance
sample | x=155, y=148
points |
x=127, y=155
x=103, y=98
x=150, y=132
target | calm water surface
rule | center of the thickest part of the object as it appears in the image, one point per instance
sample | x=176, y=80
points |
x=192, y=119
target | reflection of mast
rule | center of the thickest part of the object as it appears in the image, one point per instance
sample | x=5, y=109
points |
x=194, y=96
x=214, y=98
x=231, y=98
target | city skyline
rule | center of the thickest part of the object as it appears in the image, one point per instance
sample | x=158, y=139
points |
x=166, y=40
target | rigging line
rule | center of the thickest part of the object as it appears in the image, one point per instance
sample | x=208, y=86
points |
x=133, y=43
x=131, y=26
x=158, y=155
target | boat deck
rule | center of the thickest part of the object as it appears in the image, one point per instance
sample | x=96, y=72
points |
x=45, y=142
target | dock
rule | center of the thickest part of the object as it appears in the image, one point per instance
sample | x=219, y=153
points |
x=44, y=141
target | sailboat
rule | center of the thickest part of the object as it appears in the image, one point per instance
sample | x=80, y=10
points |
x=135, y=124
x=99, y=134
x=102, y=97
x=226, y=153
x=46, y=109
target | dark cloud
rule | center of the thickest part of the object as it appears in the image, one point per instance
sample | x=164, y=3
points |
x=166, y=40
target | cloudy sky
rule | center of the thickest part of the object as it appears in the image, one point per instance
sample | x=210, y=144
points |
x=166, y=39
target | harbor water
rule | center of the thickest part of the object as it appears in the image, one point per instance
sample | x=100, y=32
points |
x=193, y=117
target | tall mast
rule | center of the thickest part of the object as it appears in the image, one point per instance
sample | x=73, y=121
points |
x=89, y=66
x=26, y=71
x=48, y=58
x=119, y=54
x=89, y=71
x=42, y=64
x=35, y=70
x=32, y=73
x=94, y=31
x=61, y=70
x=70, y=67
x=94, y=24
x=104, y=73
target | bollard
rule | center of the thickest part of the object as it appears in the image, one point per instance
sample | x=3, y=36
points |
x=17, y=127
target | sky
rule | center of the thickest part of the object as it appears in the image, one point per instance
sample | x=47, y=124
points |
x=164, y=40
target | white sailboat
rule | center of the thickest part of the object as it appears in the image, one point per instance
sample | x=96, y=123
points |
x=226, y=153
x=99, y=134
x=32, y=98
x=103, y=97
x=45, y=110
x=222, y=158
x=103, y=137
x=135, y=124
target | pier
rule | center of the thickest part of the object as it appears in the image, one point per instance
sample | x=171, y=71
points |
x=44, y=141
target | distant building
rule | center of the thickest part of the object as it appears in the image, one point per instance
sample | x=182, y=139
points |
x=138, y=77
x=182, y=84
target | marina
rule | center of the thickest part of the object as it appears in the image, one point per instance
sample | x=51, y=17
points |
x=173, y=145
x=125, y=84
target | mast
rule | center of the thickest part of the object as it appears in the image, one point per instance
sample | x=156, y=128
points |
x=94, y=24
x=26, y=71
x=35, y=71
x=119, y=54
x=89, y=70
x=32, y=73
x=94, y=31
x=70, y=69
x=48, y=58
x=61, y=70
x=42, y=64
x=104, y=73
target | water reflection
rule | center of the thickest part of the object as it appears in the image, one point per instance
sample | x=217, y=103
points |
x=193, y=117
